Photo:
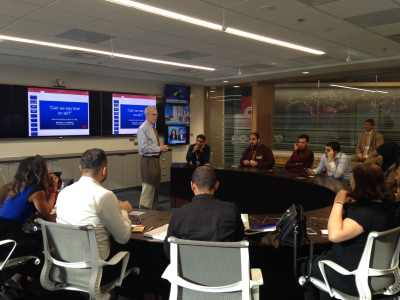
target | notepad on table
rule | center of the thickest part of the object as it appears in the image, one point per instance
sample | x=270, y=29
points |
x=158, y=234
x=138, y=228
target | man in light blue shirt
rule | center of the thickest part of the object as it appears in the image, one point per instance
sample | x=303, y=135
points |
x=335, y=163
x=149, y=149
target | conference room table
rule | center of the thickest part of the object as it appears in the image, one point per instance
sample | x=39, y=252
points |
x=276, y=264
x=260, y=191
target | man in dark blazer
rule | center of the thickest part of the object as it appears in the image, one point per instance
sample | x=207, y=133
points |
x=199, y=153
x=181, y=136
x=367, y=143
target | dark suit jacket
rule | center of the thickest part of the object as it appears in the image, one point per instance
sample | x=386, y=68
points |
x=181, y=139
x=204, y=157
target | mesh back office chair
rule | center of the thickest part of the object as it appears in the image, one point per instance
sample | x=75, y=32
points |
x=377, y=272
x=211, y=270
x=72, y=260
x=13, y=261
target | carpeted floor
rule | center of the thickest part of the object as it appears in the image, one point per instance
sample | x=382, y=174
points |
x=133, y=196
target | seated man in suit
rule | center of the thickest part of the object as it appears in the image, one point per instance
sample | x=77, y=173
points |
x=205, y=218
x=257, y=154
x=335, y=163
x=86, y=202
x=302, y=157
x=367, y=143
x=199, y=153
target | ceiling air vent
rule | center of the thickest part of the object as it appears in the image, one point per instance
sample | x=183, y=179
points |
x=83, y=55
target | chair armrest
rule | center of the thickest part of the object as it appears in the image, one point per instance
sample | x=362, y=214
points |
x=335, y=267
x=256, y=278
x=4, y=264
x=124, y=255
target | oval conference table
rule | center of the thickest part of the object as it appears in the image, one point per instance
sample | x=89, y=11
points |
x=260, y=191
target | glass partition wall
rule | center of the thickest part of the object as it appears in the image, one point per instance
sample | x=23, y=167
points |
x=228, y=121
x=327, y=110
x=335, y=110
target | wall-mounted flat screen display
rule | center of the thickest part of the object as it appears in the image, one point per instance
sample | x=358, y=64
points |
x=177, y=94
x=128, y=112
x=178, y=115
x=54, y=112
x=178, y=135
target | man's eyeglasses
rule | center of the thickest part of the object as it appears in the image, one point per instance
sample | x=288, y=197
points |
x=154, y=115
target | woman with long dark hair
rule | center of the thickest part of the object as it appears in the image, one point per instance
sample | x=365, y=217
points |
x=27, y=193
x=368, y=207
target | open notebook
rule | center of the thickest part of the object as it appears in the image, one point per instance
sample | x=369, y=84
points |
x=158, y=234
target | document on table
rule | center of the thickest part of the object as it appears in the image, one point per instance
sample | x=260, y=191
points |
x=136, y=213
x=245, y=220
x=158, y=234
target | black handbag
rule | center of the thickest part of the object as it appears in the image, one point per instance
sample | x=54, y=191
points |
x=293, y=231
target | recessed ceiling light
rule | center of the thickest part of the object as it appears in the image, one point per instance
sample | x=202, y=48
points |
x=347, y=87
x=212, y=91
x=267, y=7
x=236, y=86
x=273, y=63
x=218, y=27
x=15, y=39
x=225, y=81
x=305, y=72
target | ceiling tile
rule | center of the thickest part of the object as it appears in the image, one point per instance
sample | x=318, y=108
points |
x=37, y=2
x=289, y=35
x=393, y=50
x=160, y=50
x=188, y=55
x=355, y=35
x=333, y=27
x=311, y=17
x=91, y=8
x=241, y=55
x=5, y=20
x=182, y=29
x=111, y=28
x=379, y=18
x=62, y=41
x=245, y=44
x=185, y=44
x=16, y=9
x=4, y=50
x=390, y=29
x=215, y=60
x=126, y=44
x=12, y=45
x=46, y=50
x=279, y=52
x=139, y=19
x=227, y=2
x=259, y=27
x=153, y=37
x=29, y=53
x=189, y=8
x=24, y=35
x=253, y=8
x=216, y=50
x=324, y=62
x=345, y=8
x=57, y=17
x=217, y=38
x=314, y=42
x=231, y=18
x=37, y=27
x=381, y=41
x=85, y=36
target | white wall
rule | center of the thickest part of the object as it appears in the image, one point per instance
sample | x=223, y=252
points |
x=76, y=80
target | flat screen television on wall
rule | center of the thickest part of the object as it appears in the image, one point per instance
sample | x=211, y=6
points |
x=128, y=112
x=179, y=115
x=177, y=94
x=177, y=135
x=56, y=112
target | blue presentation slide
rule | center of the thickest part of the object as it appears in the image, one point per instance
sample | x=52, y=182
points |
x=63, y=115
x=132, y=116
